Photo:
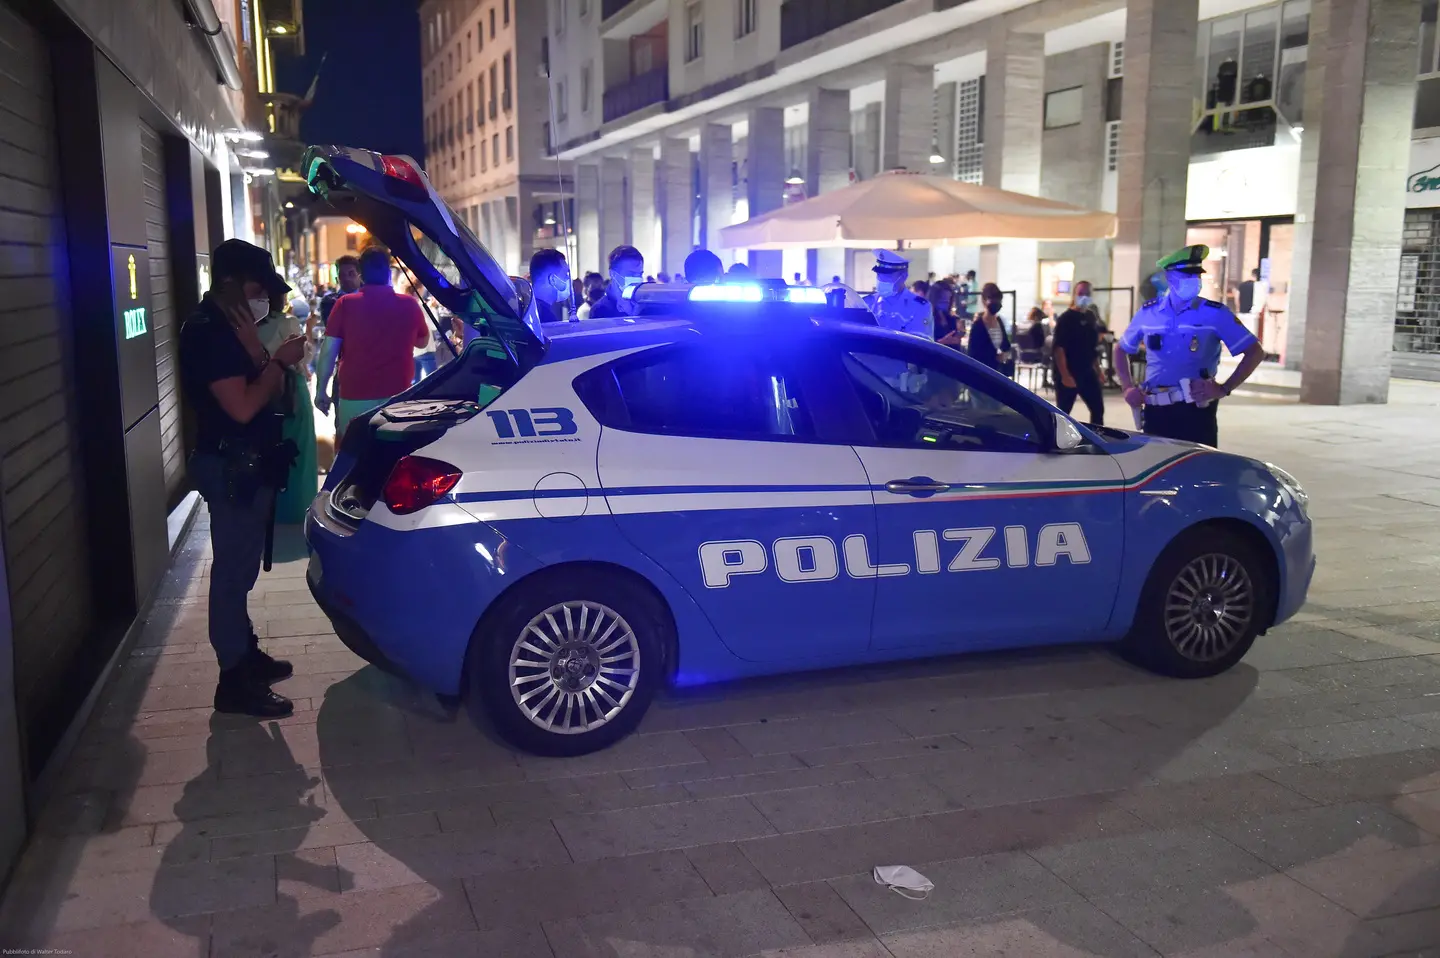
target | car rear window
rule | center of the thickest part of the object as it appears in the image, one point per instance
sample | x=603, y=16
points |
x=702, y=392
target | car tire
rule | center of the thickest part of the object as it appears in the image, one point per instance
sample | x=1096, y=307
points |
x=568, y=664
x=1206, y=599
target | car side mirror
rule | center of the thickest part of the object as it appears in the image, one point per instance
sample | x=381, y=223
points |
x=1067, y=437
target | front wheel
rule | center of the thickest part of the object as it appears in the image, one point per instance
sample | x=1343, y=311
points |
x=1207, y=597
x=569, y=664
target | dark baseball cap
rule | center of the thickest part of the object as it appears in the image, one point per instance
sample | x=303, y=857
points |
x=243, y=260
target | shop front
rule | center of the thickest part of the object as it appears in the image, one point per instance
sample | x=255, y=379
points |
x=1417, y=303
x=1241, y=203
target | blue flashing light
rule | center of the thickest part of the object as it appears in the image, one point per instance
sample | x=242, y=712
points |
x=809, y=295
x=726, y=293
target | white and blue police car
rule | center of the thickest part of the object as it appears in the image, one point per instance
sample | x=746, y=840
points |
x=740, y=480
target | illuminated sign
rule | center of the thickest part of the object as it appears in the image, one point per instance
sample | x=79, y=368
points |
x=134, y=289
x=134, y=322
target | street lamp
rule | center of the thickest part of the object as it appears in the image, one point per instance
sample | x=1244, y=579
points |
x=795, y=178
x=355, y=229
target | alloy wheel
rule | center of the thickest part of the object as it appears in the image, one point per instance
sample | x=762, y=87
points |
x=1208, y=607
x=574, y=667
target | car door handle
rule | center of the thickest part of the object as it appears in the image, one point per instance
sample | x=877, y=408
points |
x=916, y=486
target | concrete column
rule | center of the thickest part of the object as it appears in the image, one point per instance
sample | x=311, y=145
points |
x=865, y=134
x=676, y=203
x=587, y=219
x=766, y=173
x=1364, y=151
x=827, y=167
x=717, y=204
x=614, y=217
x=1014, y=128
x=907, y=129
x=945, y=136
x=524, y=222
x=1314, y=121
x=1155, y=120
x=642, y=207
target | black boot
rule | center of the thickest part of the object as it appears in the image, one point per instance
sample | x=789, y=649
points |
x=265, y=665
x=244, y=692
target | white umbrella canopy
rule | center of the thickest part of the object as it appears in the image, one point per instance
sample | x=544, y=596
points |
x=916, y=210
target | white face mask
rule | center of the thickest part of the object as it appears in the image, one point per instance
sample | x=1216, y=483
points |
x=259, y=308
x=1185, y=286
x=1082, y=300
x=886, y=286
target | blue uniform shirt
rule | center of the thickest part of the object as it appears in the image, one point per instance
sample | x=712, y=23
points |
x=1189, y=339
x=904, y=312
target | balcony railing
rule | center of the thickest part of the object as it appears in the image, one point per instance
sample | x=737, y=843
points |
x=638, y=93
x=802, y=20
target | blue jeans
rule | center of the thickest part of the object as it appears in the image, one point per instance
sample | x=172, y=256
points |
x=237, y=541
x=424, y=366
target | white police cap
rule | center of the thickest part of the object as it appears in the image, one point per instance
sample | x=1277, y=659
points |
x=889, y=261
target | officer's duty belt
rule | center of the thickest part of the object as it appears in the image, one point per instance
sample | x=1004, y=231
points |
x=1164, y=396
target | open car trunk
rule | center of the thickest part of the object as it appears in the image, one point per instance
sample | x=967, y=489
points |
x=392, y=198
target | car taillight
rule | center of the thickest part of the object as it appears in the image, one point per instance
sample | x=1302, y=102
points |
x=401, y=169
x=417, y=482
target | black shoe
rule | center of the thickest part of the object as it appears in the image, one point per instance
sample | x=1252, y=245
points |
x=245, y=693
x=267, y=667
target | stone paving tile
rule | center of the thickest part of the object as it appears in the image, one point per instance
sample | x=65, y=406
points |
x=407, y=917
x=794, y=735
x=1135, y=864
x=1373, y=883
x=567, y=891
x=177, y=938
x=1066, y=931
x=725, y=868
x=866, y=948
x=1353, y=739
x=631, y=831
x=1240, y=918
x=727, y=926
x=577, y=804
x=850, y=803
x=431, y=858
x=1211, y=800
x=1373, y=776
x=1287, y=839
x=822, y=913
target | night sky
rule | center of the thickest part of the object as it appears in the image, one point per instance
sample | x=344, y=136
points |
x=370, y=93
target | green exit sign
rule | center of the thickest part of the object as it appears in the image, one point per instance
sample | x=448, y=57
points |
x=135, y=322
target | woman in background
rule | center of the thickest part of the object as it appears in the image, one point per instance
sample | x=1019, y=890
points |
x=294, y=501
x=989, y=342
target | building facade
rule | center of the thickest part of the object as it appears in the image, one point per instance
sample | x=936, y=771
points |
x=1271, y=148
x=487, y=109
x=120, y=122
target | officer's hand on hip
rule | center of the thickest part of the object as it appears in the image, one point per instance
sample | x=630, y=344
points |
x=1206, y=390
x=1135, y=396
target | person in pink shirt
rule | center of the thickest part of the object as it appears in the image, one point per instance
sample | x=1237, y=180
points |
x=369, y=343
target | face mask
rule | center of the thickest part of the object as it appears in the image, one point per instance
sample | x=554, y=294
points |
x=564, y=291
x=1082, y=300
x=904, y=881
x=624, y=282
x=259, y=308
x=1185, y=286
x=993, y=305
x=888, y=287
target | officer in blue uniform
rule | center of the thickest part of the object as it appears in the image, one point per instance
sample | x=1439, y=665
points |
x=1182, y=333
x=894, y=306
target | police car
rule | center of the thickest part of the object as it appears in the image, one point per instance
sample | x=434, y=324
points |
x=742, y=479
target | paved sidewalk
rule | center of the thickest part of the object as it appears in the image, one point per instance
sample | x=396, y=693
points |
x=1063, y=803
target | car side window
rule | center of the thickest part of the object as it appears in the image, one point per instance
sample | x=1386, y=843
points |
x=921, y=405
x=709, y=392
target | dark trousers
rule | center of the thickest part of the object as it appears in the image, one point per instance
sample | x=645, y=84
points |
x=237, y=544
x=1183, y=420
x=1086, y=388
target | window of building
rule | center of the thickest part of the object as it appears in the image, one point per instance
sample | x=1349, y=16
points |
x=492, y=23
x=1063, y=107
x=495, y=150
x=484, y=158
x=744, y=18
x=559, y=7
x=694, y=32
x=587, y=84
x=562, y=109
x=472, y=161
x=467, y=46
x=584, y=9
x=506, y=105
x=480, y=99
x=494, y=89
x=507, y=13
x=748, y=394
x=509, y=143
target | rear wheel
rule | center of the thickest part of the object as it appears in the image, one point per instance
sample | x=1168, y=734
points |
x=1208, y=596
x=569, y=663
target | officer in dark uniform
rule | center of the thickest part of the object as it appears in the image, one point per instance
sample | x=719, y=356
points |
x=1182, y=333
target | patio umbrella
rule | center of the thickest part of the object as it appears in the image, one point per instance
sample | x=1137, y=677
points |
x=916, y=210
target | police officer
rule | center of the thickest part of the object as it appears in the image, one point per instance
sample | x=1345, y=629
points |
x=894, y=306
x=1182, y=333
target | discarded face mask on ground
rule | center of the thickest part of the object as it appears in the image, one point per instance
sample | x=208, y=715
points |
x=904, y=881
